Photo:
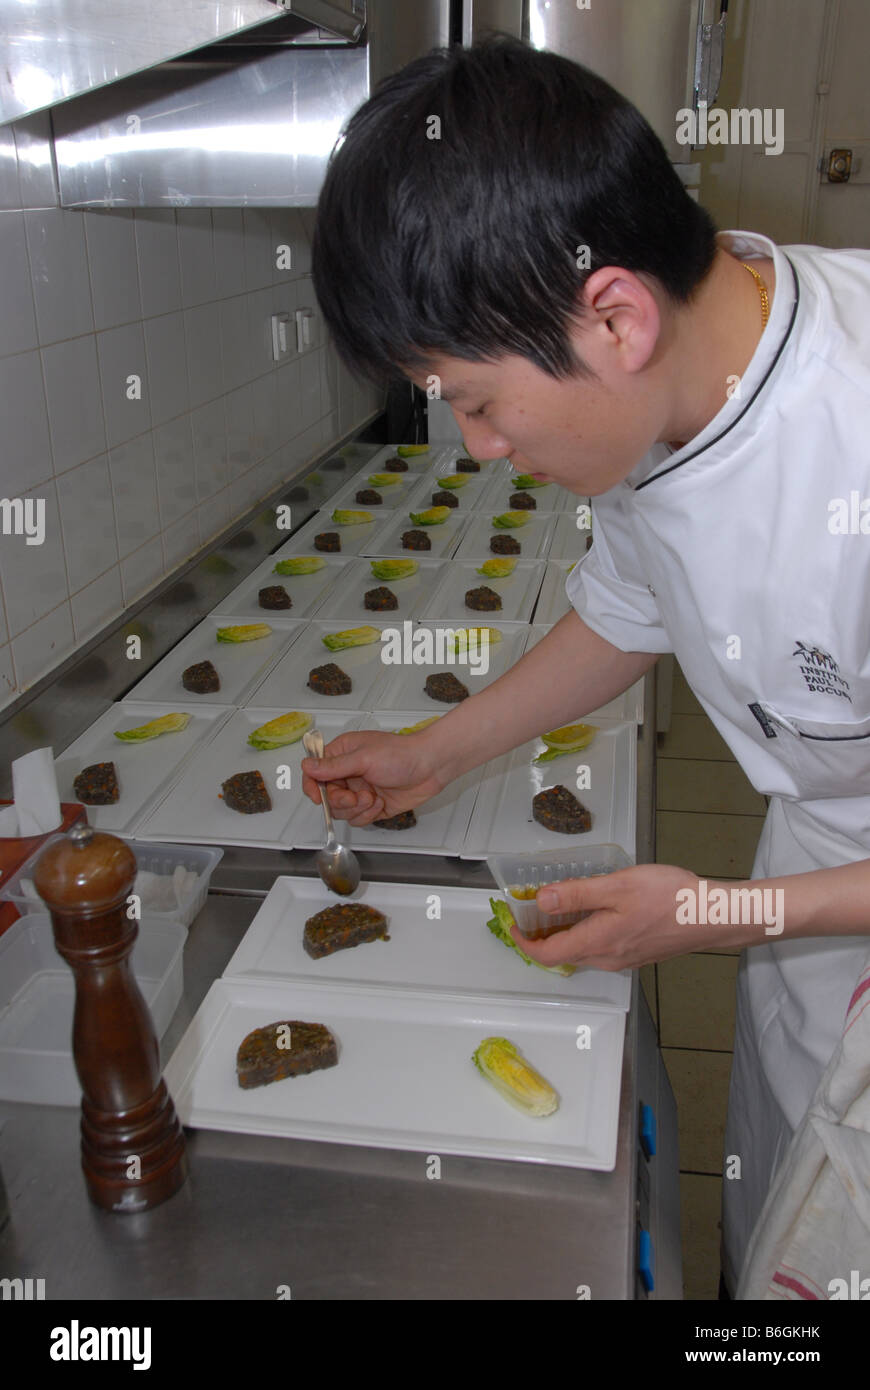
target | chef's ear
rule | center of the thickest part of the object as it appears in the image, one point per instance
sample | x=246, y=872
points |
x=620, y=320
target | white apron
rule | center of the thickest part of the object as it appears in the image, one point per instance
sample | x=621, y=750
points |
x=742, y=553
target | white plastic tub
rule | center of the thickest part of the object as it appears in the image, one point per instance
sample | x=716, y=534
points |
x=151, y=858
x=37, y=993
x=524, y=873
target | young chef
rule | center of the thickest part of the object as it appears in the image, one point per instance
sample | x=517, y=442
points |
x=712, y=393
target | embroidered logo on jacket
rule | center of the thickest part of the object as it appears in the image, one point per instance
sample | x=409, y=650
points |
x=821, y=672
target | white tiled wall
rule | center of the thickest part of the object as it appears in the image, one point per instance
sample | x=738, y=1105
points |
x=134, y=480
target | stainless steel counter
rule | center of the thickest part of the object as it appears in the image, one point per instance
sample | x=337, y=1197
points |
x=330, y=1221
x=258, y=1217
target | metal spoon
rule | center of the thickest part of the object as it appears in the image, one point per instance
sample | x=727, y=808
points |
x=336, y=864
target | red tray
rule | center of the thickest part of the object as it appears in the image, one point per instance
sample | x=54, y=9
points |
x=14, y=849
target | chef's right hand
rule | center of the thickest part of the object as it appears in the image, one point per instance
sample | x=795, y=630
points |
x=373, y=775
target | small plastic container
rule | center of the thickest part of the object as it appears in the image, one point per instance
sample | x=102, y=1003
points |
x=150, y=858
x=519, y=876
x=37, y=995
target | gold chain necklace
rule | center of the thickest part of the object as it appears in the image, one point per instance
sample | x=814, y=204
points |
x=762, y=290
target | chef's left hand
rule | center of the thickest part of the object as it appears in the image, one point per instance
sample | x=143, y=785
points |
x=633, y=921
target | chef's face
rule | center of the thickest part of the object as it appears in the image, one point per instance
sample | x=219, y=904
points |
x=584, y=433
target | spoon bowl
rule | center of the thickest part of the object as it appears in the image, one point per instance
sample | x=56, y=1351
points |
x=337, y=865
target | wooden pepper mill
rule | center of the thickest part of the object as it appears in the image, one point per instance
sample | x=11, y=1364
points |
x=133, y=1152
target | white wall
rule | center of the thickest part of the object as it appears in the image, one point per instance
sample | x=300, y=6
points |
x=182, y=299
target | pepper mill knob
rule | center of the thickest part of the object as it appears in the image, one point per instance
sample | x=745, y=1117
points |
x=133, y=1153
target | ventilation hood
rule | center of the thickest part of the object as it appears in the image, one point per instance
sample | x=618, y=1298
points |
x=246, y=122
x=57, y=49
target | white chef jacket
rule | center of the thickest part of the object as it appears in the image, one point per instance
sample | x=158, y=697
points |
x=727, y=553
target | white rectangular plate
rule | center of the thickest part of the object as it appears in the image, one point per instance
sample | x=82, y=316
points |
x=346, y=600
x=354, y=539
x=453, y=952
x=194, y=813
x=287, y=683
x=472, y=495
x=517, y=591
x=417, y=463
x=393, y=495
x=240, y=665
x=552, y=601
x=441, y=822
x=307, y=591
x=502, y=822
x=444, y=537
x=405, y=688
x=405, y=1078
x=549, y=498
x=534, y=537
x=628, y=705
x=144, y=770
x=569, y=540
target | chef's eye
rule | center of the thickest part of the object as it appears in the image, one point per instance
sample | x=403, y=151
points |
x=481, y=411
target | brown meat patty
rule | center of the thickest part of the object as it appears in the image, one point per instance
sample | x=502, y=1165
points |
x=504, y=545
x=405, y=820
x=274, y=596
x=329, y=680
x=264, y=1055
x=342, y=926
x=484, y=599
x=444, y=686
x=327, y=540
x=416, y=540
x=558, y=809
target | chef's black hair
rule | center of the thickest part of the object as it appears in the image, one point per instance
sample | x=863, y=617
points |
x=467, y=244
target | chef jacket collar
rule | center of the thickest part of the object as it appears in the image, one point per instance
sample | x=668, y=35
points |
x=661, y=459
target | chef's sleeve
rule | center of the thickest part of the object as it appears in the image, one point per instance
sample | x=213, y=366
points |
x=609, y=591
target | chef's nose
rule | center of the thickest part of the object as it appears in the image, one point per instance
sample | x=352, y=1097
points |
x=480, y=441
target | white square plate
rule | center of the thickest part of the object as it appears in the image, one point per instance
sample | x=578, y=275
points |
x=569, y=540
x=347, y=599
x=534, y=537
x=353, y=539
x=405, y=688
x=144, y=770
x=517, y=592
x=405, y=1078
x=240, y=665
x=445, y=537
x=287, y=682
x=306, y=591
x=502, y=822
x=552, y=600
x=441, y=821
x=194, y=813
x=453, y=952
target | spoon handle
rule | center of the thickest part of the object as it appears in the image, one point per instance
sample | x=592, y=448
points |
x=313, y=744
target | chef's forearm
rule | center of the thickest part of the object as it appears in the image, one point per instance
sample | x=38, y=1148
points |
x=568, y=673
x=826, y=902
x=820, y=903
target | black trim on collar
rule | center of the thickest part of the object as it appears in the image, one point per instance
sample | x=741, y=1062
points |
x=736, y=421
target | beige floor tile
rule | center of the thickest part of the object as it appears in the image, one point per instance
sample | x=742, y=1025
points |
x=693, y=736
x=692, y=784
x=648, y=985
x=683, y=701
x=711, y=845
x=700, y=1216
x=700, y=1085
x=697, y=1001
